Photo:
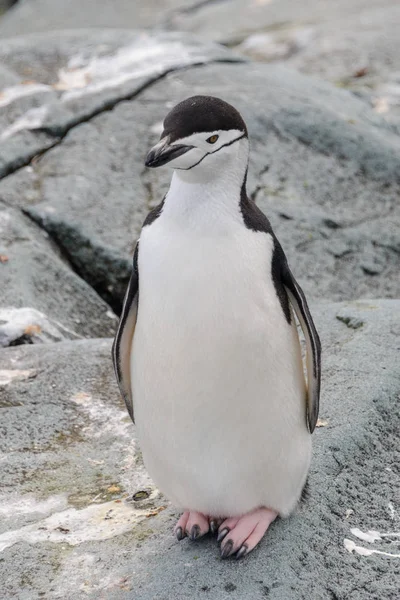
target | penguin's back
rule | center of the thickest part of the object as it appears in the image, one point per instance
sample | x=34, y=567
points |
x=217, y=376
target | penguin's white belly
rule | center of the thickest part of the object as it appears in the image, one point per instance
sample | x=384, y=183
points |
x=218, y=385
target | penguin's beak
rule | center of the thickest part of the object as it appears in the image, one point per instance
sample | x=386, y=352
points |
x=163, y=152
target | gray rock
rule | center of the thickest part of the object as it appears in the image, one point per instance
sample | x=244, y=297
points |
x=5, y=5
x=29, y=326
x=47, y=15
x=68, y=77
x=36, y=279
x=323, y=166
x=70, y=457
x=80, y=415
x=7, y=77
x=352, y=44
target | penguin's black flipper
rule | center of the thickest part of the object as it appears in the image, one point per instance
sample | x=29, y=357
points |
x=313, y=344
x=283, y=279
x=121, y=350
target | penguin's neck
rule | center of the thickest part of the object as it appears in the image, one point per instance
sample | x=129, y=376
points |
x=207, y=197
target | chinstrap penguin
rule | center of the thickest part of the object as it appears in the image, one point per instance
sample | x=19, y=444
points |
x=207, y=354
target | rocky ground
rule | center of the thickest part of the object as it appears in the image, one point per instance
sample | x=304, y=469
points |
x=78, y=111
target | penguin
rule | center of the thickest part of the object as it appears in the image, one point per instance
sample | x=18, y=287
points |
x=207, y=354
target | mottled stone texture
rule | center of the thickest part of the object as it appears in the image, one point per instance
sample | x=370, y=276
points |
x=324, y=166
x=74, y=457
x=78, y=112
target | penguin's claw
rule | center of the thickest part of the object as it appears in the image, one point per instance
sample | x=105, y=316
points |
x=194, y=533
x=180, y=527
x=225, y=527
x=241, y=552
x=223, y=533
x=237, y=535
x=227, y=549
x=214, y=526
x=192, y=524
x=246, y=532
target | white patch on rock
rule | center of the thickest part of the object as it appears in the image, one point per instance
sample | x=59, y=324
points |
x=18, y=322
x=7, y=376
x=381, y=105
x=369, y=536
x=387, y=96
x=5, y=218
x=392, y=510
x=111, y=315
x=103, y=418
x=72, y=78
x=28, y=504
x=73, y=527
x=352, y=547
x=86, y=573
x=9, y=94
x=277, y=45
x=32, y=119
x=372, y=536
x=115, y=422
x=141, y=479
x=146, y=57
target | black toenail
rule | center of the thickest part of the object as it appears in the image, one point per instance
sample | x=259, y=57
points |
x=179, y=533
x=242, y=551
x=222, y=534
x=194, y=532
x=213, y=526
x=227, y=549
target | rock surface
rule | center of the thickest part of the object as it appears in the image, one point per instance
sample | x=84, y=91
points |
x=29, y=326
x=61, y=79
x=47, y=15
x=323, y=166
x=5, y=5
x=79, y=517
x=70, y=469
x=74, y=76
x=352, y=44
x=36, y=277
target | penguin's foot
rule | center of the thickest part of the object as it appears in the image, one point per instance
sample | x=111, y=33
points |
x=241, y=534
x=192, y=524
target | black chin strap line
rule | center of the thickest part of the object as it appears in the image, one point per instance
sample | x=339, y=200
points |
x=210, y=153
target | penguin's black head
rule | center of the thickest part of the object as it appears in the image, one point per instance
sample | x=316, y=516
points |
x=196, y=130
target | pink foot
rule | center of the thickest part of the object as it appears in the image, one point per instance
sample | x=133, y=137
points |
x=242, y=534
x=192, y=524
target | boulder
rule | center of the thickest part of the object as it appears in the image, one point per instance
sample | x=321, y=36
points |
x=56, y=82
x=49, y=15
x=5, y=5
x=352, y=44
x=323, y=166
x=29, y=326
x=41, y=298
x=80, y=517
x=65, y=78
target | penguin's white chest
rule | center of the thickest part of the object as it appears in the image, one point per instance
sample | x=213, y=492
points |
x=217, y=378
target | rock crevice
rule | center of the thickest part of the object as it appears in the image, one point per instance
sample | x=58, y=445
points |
x=78, y=112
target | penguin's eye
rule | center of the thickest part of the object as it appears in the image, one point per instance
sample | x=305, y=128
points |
x=212, y=139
